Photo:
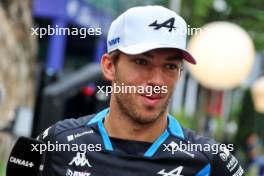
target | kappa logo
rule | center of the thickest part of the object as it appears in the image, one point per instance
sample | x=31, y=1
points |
x=167, y=24
x=80, y=160
x=175, y=172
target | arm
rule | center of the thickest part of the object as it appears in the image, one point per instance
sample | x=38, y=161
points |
x=225, y=164
x=47, y=136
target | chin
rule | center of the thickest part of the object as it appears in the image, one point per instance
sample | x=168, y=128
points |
x=146, y=117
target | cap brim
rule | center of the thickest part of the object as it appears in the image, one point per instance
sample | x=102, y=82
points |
x=141, y=48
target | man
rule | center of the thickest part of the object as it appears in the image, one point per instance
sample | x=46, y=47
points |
x=136, y=135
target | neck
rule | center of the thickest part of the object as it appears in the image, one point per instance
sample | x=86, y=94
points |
x=120, y=125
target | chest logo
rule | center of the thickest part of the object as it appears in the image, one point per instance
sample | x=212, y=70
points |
x=175, y=172
x=80, y=160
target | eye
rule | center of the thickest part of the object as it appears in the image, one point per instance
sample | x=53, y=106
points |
x=140, y=61
x=172, y=66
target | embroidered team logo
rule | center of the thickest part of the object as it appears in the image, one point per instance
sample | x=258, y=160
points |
x=167, y=24
x=80, y=160
x=175, y=172
x=223, y=156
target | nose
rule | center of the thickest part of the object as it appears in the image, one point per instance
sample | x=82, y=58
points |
x=155, y=77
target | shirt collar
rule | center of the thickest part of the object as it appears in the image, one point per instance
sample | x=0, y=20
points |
x=174, y=126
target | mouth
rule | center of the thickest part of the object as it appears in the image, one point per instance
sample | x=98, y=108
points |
x=151, y=100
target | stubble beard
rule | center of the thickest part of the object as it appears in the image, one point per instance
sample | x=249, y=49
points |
x=129, y=108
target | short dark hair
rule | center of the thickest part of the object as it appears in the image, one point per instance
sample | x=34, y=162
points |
x=115, y=56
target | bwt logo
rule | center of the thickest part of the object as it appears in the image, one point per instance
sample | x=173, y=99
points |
x=76, y=173
x=114, y=41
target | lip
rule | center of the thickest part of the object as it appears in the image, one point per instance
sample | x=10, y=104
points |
x=152, y=100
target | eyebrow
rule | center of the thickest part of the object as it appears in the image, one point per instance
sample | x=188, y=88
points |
x=171, y=58
x=174, y=58
x=147, y=54
x=177, y=57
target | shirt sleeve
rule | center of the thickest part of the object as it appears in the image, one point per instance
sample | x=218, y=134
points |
x=47, y=136
x=226, y=164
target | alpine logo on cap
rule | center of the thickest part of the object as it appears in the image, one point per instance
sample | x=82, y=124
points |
x=167, y=24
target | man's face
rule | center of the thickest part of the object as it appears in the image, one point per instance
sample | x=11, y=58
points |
x=157, y=68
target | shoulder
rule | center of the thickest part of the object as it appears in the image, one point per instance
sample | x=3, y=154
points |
x=64, y=126
x=195, y=138
x=222, y=161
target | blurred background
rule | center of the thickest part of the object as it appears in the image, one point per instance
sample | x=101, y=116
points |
x=44, y=79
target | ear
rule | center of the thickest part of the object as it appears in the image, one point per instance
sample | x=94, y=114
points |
x=108, y=67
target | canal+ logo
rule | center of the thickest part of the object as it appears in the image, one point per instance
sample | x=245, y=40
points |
x=114, y=41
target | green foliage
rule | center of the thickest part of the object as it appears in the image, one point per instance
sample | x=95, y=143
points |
x=196, y=11
x=248, y=14
x=246, y=119
x=249, y=120
x=185, y=121
x=115, y=7
x=2, y=170
x=219, y=128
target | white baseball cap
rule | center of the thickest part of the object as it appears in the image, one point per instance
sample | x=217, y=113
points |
x=141, y=29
